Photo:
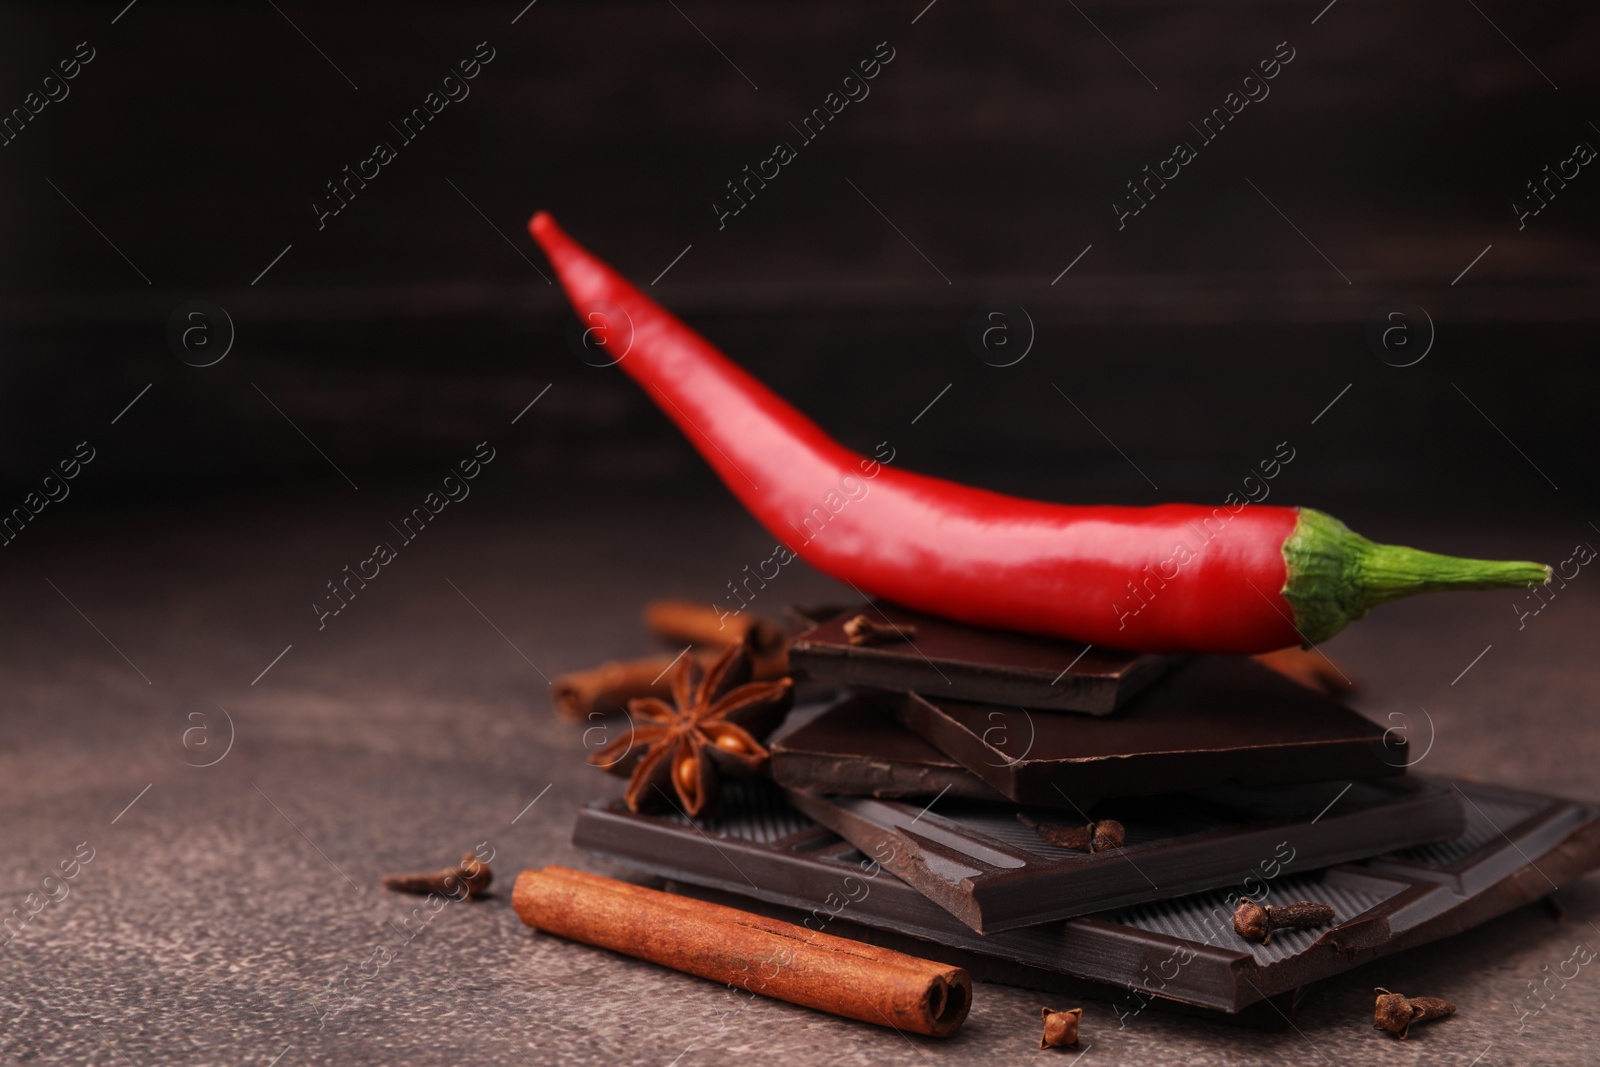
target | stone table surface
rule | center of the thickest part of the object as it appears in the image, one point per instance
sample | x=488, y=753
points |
x=231, y=913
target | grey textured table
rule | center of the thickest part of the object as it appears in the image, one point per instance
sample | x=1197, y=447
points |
x=227, y=908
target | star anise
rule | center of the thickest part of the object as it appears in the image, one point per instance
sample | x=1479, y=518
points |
x=715, y=728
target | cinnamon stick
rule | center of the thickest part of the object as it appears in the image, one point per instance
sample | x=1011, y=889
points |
x=610, y=686
x=750, y=952
x=689, y=622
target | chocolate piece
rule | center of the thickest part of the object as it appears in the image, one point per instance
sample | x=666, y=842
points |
x=1209, y=721
x=993, y=872
x=1516, y=848
x=966, y=663
x=858, y=748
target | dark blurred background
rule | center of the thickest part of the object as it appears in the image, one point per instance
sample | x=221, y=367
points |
x=1221, y=320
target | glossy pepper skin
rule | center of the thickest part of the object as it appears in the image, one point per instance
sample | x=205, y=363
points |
x=1169, y=578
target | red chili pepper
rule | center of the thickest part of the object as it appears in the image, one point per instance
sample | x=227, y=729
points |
x=1170, y=578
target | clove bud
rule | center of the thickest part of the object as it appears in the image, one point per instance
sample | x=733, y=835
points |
x=1099, y=836
x=1395, y=1012
x=1255, y=922
x=1060, y=1027
x=468, y=878
x=863, y=631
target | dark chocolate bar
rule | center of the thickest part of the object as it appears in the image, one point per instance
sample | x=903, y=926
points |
x=994, y=872
x=1517, y=847
x=1211, y=720
x=966, y=663
x=858, y=747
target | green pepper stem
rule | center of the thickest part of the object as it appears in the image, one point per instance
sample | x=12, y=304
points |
x=1335, y=576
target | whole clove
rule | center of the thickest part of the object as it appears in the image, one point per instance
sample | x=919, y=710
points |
x=1395, y=1012
x=864, y=631
x=1060, y=1027
x=1255, y=922
x=1099, y=836
x=468, y=878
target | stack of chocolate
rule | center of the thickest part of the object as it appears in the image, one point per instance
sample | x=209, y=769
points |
x=1200, y=831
